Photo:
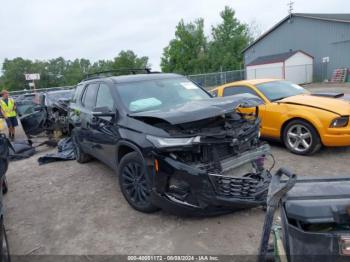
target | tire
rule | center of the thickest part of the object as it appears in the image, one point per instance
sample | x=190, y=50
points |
x=4, y=186
x=80, y=155
x=4, y=246
x=134, y=184
x=301, y=138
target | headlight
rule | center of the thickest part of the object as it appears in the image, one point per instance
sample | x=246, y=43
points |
x=161, y=142
x=340, y=122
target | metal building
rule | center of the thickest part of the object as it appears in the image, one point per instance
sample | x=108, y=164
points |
x=326, y=37
x=295, y=66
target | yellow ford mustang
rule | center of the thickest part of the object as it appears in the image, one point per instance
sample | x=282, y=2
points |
x=301, y=120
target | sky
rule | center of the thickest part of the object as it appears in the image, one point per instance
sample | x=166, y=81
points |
x=100, y=29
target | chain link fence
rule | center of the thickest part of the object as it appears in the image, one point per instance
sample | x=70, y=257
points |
x=299, y=74
x=212, y=80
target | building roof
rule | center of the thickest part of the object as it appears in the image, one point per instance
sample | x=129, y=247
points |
x=345, y=18
x=341, y=18
x=276, y=58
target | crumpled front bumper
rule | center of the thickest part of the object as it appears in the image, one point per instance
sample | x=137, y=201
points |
x=188, y=190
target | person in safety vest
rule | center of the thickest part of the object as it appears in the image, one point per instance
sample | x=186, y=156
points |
x=8, y=110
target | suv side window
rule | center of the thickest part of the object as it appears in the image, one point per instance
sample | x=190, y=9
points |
x=104, y=97
x=237, y=90
x=78, y=91
x=89, y=97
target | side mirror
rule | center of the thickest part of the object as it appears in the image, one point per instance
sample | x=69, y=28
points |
x=103, y=111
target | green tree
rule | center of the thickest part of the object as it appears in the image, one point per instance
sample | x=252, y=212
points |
x=187, y=53
x=13, y=73
x=128, y=59
x=229, y=38
x=60, y=72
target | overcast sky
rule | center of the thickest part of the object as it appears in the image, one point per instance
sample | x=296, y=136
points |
x=99, y=29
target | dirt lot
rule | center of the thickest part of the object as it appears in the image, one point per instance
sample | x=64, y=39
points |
x=69, y=208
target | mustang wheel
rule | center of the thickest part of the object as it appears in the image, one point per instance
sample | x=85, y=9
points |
x=133, y=183
x=301, y=138
x=80, y=156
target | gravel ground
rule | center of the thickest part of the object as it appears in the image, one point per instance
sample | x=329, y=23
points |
x=73, y=209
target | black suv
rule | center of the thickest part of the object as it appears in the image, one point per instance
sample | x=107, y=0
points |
x=171, y=144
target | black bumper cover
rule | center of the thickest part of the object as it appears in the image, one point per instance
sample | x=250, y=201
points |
x=205, y=197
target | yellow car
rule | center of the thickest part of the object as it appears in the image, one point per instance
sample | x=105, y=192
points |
x=301, y=120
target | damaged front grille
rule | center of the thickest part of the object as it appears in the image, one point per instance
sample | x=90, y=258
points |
x=242, y=176
x=249, y=187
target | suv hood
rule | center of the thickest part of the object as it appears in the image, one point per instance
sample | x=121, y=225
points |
x=337, y=106
x=201, y=109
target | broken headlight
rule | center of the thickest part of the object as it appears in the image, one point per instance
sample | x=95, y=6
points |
x=162, y=142
x=340, y=122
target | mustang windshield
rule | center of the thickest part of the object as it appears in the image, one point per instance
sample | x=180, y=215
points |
x=277, y=90
x=159, y=94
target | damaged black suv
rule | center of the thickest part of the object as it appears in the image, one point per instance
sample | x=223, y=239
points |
x=172, y=145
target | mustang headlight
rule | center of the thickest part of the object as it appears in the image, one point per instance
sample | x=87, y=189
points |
x=340, y=122
x=161, y=142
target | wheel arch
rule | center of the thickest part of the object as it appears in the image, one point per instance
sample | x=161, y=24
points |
x=284, y=125
x=125, y=147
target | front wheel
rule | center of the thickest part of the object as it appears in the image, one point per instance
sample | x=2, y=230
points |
x=134, y=184
x=301, y=138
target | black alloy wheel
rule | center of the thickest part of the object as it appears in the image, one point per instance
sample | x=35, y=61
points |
x=133, y=183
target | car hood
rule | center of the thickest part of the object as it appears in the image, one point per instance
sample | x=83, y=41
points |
x=336, y=105
x=201, y=109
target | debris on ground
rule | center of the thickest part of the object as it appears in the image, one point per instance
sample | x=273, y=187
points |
x=21, y=149
x=65, y=152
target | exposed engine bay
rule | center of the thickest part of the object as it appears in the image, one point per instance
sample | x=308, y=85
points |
x=223, y=165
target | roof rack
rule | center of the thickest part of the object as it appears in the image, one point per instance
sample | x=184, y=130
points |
x=132, y=71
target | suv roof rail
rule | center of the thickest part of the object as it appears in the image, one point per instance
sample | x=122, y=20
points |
x=132, y=71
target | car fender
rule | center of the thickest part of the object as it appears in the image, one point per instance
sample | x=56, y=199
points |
x=128, y=144
x=309, y=116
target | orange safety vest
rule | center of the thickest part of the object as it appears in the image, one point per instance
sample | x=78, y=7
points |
x=9, y=108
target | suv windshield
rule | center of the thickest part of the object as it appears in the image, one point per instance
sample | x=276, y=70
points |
x=277, y=90
x=159, y=94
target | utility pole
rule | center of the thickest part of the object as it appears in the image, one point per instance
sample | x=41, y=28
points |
x=290, y=8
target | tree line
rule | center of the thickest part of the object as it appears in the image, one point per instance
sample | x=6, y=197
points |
x=190, y=52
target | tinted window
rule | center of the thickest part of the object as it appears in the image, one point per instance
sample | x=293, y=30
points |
x=104, y=97
x=89, y=97
x=77, y=93
x=236, y=90
x=277, y=90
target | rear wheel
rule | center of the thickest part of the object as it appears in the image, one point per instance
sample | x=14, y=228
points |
x=4, y=248
x=134, y=184
x=301, y=138
x=80, y=155
x=4, y=185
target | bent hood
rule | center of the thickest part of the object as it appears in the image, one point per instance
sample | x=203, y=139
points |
x=337, y=106
x=201, y=109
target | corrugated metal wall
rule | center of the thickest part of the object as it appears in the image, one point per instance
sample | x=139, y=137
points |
x=317, y=37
